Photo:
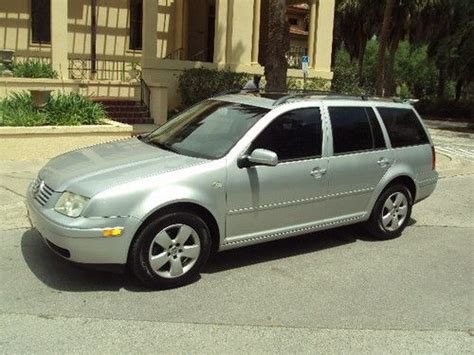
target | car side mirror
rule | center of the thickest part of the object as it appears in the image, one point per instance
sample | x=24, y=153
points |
x=258, y=157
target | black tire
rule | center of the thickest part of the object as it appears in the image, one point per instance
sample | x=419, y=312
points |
x=139, y=262
x=375, y=226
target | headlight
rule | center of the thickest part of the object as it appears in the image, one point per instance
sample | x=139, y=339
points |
x=70, y=204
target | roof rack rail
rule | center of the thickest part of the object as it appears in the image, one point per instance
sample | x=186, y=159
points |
x=304, y=93
x=236, y=91
x=227, y=92
x=293, y=94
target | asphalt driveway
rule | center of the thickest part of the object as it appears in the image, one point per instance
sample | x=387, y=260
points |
x=335, y=291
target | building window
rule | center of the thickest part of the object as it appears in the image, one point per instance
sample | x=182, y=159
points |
x=41, y=21
x=293, y=21
x=136, y=16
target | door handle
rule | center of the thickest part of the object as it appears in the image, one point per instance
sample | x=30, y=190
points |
x=317, y=173
x=383, y=162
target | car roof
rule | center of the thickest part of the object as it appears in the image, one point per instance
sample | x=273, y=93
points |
x=271, y=100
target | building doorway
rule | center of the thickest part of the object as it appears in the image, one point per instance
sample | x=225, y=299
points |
x=201, y=30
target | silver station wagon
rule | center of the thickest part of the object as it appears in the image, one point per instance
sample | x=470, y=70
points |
x=235, y=170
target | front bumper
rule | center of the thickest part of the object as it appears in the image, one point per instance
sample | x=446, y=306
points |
x=83, y=245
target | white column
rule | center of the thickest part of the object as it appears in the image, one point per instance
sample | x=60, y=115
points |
x=149, y=29
x=256, y=31
x=312, y=31
x=324, y=31
x=59, y=35
x=220, y=36
x=178, y=34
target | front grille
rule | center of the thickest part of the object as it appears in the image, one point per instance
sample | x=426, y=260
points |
x=41, y=192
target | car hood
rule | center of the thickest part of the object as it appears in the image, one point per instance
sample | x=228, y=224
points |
x=93, y=169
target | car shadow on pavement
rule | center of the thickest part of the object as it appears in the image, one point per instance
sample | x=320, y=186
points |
x=284, y=248
x=61, y=274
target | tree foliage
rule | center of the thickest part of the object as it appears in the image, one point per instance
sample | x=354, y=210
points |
x=442, y=31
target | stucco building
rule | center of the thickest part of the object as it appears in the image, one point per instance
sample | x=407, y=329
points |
x=163, y=37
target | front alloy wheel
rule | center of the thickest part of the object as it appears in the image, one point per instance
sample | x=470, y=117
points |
x=170, y=251
x=174, y=251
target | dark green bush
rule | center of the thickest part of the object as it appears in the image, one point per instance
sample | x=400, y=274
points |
x=34, y=69
x=345, y=79
x=198, y=84
x=460, y=110
x=61, y=110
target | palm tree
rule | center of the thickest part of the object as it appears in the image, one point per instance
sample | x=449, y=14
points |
x=387, y=17
x=418, y=20
x=278, y=43
x=355, y=23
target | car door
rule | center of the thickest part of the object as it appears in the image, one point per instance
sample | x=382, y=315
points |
x=271, y=201
x=359, y=159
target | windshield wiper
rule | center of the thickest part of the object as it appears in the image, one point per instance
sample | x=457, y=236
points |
x=161, y=145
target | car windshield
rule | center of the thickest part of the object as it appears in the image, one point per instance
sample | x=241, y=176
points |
x=206, y=130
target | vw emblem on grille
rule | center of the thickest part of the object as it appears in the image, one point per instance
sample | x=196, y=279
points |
x=35, y=186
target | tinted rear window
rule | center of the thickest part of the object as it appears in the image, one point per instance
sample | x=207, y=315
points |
x=355, y=129
x=403, y=127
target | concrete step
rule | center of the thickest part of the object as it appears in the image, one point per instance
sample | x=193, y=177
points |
x=129, y=114
x=117, y=101
x=132, y=121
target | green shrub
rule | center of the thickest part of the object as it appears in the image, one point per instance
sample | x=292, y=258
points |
x=18, y=110
x=198, y=84
x=318, y=84
x=345, y=79
x=34, y=69
x=61, y=110
x=73, y=109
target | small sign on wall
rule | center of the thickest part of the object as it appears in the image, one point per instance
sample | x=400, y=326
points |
x=305, y=64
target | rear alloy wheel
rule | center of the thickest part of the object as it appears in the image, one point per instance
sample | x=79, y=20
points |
x=391, y=213
x=171, y=250
x=394, y=211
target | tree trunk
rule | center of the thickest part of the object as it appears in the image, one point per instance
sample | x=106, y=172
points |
x=459, y=84
x=441, y=82
x=389, y=82
x=360, y=70
x=278, y=43
x=383, y=45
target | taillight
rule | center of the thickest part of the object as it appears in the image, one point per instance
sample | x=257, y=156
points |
x=433, y=158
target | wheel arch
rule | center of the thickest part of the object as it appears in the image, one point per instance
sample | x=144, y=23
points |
x=191, y=207
x=403, y=179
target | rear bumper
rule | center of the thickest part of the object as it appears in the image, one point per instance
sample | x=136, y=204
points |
x=426, y=188
x=84, y=245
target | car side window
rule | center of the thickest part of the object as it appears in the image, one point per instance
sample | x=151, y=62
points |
x=294, y=135
x=403, y=127
x=355, y=129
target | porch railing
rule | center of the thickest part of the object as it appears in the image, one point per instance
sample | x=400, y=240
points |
x=144, y=93
x=115, y=70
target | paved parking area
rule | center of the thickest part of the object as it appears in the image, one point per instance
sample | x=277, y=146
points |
x=332, y=292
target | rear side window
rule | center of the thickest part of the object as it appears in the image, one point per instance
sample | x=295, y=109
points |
x=403, y=127
x=355, y=129
x=293, y=135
